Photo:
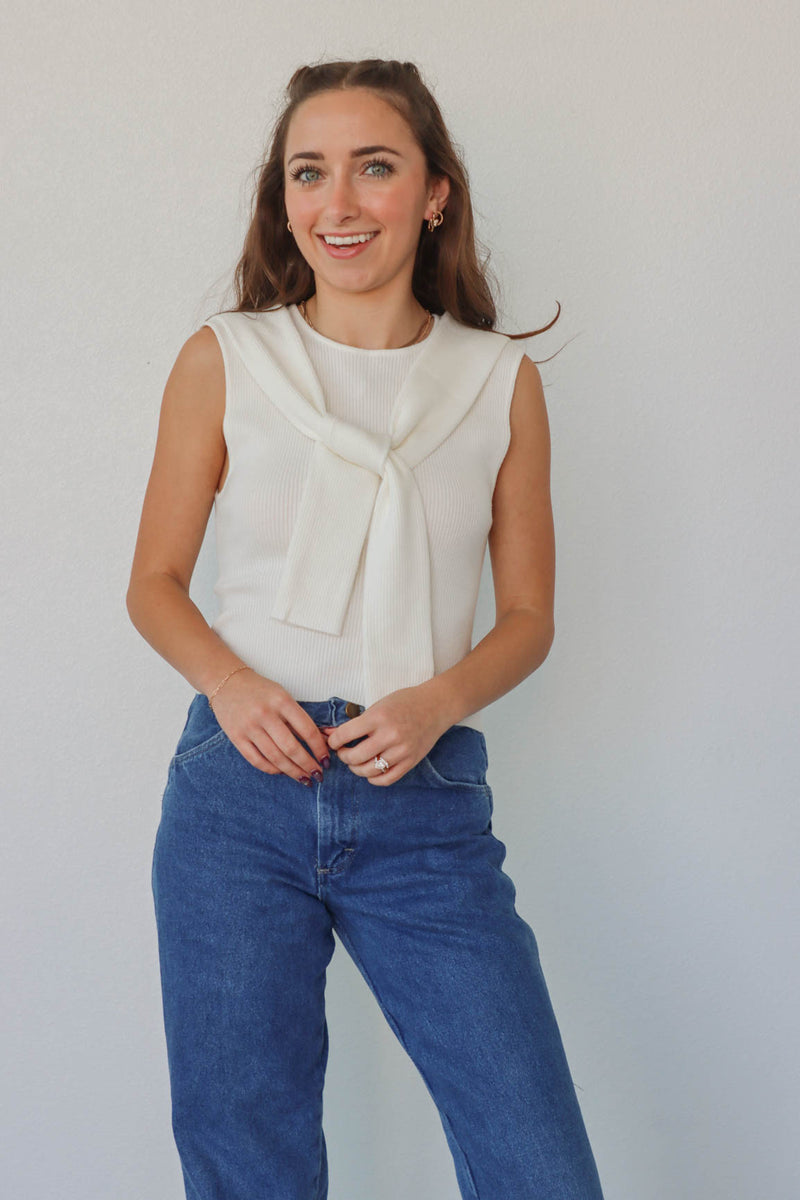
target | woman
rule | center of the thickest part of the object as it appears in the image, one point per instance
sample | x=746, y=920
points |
x=362, y=431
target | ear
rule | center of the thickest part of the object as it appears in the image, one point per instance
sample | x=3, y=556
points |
x=440, y=191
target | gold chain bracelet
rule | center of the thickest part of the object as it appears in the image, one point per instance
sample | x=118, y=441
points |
x=225, y=680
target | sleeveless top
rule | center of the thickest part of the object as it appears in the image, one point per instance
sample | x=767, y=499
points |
x=351, y=529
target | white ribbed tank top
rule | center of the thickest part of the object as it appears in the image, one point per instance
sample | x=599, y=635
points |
x=255, y=512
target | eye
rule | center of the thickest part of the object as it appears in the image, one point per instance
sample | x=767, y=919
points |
x=302, y=168
x=381, y=162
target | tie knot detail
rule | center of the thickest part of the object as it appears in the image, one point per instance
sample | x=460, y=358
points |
x=357, y=446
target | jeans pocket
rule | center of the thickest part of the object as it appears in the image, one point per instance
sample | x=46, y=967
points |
x=202, y=732
x=457, y=760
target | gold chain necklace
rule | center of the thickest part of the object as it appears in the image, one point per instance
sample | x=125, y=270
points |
x=423, y=329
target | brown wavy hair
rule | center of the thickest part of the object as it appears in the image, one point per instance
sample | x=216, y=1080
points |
x=447, y=274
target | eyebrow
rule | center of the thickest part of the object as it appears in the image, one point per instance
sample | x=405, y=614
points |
x=359, y=153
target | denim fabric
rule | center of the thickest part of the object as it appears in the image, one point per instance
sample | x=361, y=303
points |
x=251, y=875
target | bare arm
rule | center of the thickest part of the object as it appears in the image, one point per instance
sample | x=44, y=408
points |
x=188, y=460
x=189, y=457
x=522, y=552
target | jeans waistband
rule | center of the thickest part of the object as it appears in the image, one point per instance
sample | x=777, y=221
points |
x=333, y=711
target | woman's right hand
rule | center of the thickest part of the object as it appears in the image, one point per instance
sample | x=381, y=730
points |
x=261, y=719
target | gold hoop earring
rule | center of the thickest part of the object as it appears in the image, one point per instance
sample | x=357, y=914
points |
x=435, y=220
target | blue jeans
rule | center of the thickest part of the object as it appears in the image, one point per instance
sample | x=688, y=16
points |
x=252, y=873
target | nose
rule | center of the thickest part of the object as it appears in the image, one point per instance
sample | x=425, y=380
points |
x=342, y=198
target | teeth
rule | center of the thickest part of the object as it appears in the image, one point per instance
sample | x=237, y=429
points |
x=348, y=241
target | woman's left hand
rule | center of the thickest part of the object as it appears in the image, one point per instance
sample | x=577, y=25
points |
x=401, y=727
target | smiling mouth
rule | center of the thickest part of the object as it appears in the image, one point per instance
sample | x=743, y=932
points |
x=348, y=239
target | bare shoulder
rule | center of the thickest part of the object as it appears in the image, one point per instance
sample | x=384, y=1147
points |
x=528, y=402
x=521, y=538
x=192, y=410
x=187, y=463
x=530, y=429
x=197, y=379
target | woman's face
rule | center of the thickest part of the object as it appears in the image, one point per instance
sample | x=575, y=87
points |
x=338, y=182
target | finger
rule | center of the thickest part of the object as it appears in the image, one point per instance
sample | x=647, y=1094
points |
x=291, y=756
x=282, y=763
x=384, y=778
x=333, y=742
x=250, y=751
x=311, y=733
x=361, y=758
x=297, y=721
x=341, y=734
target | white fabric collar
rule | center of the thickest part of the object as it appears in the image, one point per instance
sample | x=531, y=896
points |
x=361, y=494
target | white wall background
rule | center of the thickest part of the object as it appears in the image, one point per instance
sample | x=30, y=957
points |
x=636, y=161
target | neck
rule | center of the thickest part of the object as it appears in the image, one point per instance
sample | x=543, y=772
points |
x=366, y=324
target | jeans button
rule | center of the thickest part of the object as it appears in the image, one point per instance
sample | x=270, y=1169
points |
x=352, y=709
